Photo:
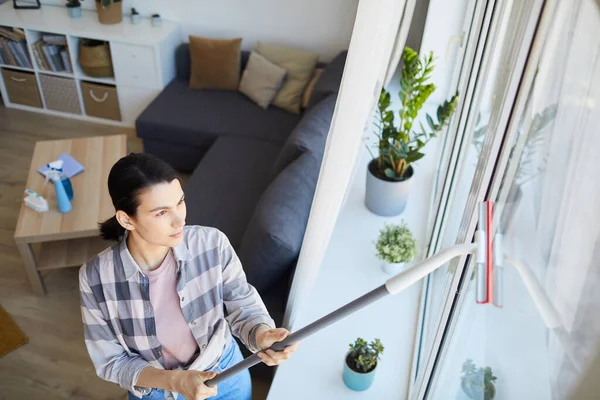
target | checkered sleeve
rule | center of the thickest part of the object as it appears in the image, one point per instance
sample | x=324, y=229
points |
x=245, y=309
x=111, y=361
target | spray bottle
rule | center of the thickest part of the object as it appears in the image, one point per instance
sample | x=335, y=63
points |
x=62, y=186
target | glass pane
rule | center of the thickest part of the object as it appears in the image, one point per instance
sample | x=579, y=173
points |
x=538, y=344
x=494, y=91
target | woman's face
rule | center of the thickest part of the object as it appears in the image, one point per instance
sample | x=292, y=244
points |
x=161, y=214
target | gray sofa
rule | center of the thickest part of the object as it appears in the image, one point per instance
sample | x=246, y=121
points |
x=254, y=170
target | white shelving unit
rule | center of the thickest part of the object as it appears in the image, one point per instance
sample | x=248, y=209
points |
x=143, y=58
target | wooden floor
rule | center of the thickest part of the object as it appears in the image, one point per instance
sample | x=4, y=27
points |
x=54, y=364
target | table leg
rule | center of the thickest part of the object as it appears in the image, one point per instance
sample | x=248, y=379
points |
x=31, y=268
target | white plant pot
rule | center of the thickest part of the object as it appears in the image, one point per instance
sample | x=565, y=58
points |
x=135, y=19
x=386, y=198
x=392, y=268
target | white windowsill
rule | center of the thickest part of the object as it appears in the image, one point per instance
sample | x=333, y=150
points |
x=349, y=270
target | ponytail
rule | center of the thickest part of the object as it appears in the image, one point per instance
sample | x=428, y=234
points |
x=111, y=229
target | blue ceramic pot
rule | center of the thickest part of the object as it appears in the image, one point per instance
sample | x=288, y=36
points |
x=358, y=381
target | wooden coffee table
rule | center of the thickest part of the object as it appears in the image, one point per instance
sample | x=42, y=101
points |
x=51, y=239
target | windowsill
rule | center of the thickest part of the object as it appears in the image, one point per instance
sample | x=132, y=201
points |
x=349, y=270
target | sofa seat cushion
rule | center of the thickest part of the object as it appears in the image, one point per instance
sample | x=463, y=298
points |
x=188, y=116
x=223, y=190
x=309, y=135
x=272, y=242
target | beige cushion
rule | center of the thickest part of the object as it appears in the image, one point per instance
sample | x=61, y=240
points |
x=261, y=80
x=215, y=63
x=299, y=66
x=311, y=85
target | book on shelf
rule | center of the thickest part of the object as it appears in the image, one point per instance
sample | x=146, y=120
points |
x=21, y=47
x=60, y=40
x=10, y=58
x=64, y=54
x=39, y=56
x=56, y=58
x=14, y=34
x=13, y=49
x=48, y=57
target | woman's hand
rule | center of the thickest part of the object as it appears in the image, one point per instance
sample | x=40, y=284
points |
x=265, y=337
x=190, y=384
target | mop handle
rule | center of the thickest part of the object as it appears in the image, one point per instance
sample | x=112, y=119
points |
x=394, y=285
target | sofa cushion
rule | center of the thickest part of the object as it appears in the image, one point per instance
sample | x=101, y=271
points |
x=261, y=80
x=272, y=242
x=330, y=79
x=187, y=116
x=299, y=66
x=223, y=190
x=310, y=87
x=309, y=135
x=183, y=61
x=215, y=63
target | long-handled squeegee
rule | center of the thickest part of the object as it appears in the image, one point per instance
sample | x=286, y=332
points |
x=396, y=284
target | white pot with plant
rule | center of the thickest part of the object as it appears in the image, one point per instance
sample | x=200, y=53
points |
x=134, y=17
x=395, y=246
x=74, y=8
x=390, y=173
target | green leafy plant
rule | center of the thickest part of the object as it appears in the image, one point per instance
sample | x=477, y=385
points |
x=73, y=3
x=107, y=3
x=477, y=383
x=134, y=11
x=363, y=357
x=396, y=244
x=399, y=144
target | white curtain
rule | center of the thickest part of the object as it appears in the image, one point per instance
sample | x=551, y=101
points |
x=565, y=186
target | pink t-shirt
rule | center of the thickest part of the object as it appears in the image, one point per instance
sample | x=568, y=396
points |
x=173, y=332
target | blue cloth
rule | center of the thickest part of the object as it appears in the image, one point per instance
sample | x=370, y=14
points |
x=238, y=387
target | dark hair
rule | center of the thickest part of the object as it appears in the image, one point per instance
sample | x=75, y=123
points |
x=127, y=178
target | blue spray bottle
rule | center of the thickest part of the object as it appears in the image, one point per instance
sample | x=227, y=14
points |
x=58, y=178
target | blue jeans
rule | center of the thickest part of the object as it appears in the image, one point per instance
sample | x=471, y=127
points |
x=238, y=387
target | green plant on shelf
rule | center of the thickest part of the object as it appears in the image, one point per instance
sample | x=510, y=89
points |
x=398, y=142
x=363, y=357
x=477, y=383
x=396, y=244
x=134, y=11
x=73, y=3
x=107, y=3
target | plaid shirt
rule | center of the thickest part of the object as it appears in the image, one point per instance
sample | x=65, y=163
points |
x=216, y=301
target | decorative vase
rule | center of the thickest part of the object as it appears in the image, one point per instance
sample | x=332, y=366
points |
x=135, y=19
x=392, y=268
x=113, y=14
x=74, y=12
x=387, y=198
x=357, y=381
x=156, y=21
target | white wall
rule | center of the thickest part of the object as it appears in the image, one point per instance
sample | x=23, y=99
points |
x=322, y=26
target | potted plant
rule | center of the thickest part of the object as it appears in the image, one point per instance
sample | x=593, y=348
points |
x=477, y=383
x=135, y=16
x=109, y=11
x=156, y=21
x=395, y=247
x=361, y=363
x=389, y=174
x=74, y=8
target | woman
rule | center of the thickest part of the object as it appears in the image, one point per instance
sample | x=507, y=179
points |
x=161, y=305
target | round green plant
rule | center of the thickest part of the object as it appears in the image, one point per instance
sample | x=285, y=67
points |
x=363, y=357
x=396, y=244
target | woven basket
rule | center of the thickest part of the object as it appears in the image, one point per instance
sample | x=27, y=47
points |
x=112, y=14
x=94, y=58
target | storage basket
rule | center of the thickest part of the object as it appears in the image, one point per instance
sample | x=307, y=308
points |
x=113, y=14
x=60, y=94
x=94, y=58
x=21, y=88
x=100, y=101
